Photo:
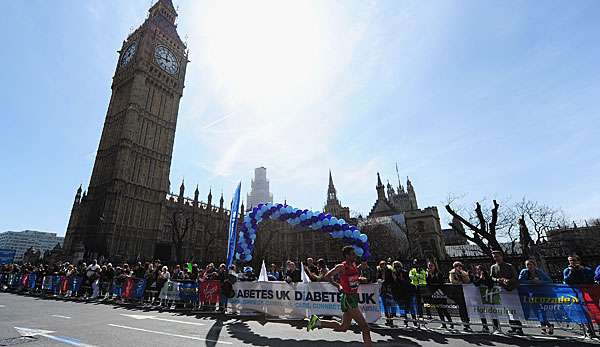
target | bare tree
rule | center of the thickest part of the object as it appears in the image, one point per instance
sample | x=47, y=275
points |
x=180, y=226
x=594, y=222
x=213, y=229
x=539, y=217
x=482, y=228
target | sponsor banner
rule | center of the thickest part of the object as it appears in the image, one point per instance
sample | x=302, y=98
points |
x=554, y=303
x=139, y=289
x=590, y=297
x=117, y=288
x=52, y=283
x=449, y=297
x=24, y=280
x=492, y=303
x=170, y=291
x=188, y=291
x=32, y=280
x=7, y=256
x=210, y=292
x=388, y=304
x=300, y=300
x=47, y=283
x=75, y=284
x=128, y=285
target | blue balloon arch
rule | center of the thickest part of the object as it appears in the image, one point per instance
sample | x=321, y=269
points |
x=318, y=221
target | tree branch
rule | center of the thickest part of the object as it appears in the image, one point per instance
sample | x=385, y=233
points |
x=494, y=219
x=460, y=218
x=481, y=218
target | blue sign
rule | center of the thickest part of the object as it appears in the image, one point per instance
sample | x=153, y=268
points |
x=75, y=284
x=32, y=279
x=138, y=289
x=233, y=221
x=188, y=291
x=552, y=303
x=7, y=256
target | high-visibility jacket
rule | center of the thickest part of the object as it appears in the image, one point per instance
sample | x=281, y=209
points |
x=417, y=277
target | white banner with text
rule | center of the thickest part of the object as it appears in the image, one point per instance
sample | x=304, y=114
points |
x=300, y=300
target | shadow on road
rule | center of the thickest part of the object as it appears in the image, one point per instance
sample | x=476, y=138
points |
x=238, y=328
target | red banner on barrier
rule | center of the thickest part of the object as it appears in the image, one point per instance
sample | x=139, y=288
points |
x=128, y=286
x=64, y=284
x=591, y=299
x=210, y=292
x=24, y=280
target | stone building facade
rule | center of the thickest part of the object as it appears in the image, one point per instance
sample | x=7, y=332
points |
x=403, y=230
x=278, y=241
x=126, y=209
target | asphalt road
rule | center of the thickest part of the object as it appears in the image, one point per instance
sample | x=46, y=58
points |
x=32, y=321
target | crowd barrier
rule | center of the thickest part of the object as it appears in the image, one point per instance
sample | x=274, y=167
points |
x=550, y=303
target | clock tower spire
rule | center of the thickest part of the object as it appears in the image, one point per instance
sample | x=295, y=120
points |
x=130, y=179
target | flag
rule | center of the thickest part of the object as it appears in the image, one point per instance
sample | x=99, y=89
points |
x=263, y=273
x=303, y=274
x=233, y=219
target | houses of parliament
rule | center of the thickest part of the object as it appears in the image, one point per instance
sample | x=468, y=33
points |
x=128, y=212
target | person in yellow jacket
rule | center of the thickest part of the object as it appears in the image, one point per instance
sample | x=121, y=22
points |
x=418, y=278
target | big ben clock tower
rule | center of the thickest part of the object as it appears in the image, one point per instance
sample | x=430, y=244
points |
x=121, y=212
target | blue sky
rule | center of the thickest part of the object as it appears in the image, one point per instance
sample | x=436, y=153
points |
x=483, y=98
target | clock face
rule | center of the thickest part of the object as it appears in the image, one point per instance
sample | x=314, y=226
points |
x=129, y=53
x=166, y=60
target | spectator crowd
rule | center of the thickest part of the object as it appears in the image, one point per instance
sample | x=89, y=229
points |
x=404, y=288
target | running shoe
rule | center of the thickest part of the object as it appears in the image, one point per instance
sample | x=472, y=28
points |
x=312, y=323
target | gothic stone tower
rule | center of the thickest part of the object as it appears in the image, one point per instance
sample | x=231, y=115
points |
x=130, y=180
x=333, y=206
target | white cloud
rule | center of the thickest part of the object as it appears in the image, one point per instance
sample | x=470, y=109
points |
x=276, y=70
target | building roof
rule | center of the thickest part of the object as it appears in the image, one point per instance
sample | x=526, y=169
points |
x=471, y=250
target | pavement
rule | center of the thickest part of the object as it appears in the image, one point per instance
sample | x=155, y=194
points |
x=36, y=321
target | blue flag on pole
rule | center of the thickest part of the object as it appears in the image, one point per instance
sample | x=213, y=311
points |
x=233, y=219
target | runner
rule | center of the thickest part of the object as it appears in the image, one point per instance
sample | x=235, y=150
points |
x=349, y=281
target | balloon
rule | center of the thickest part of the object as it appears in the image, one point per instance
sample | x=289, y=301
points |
x=248, y=257
x=348, y=233
x=355, y=234
x=325, y=221
x=359, y=251
x=341, y=221
x=333, y=220
x=345, y=227
x=237, y=256
x=363, y=237
x=253, y=237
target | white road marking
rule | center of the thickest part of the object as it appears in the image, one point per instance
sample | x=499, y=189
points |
x=136, y=316
x=169, y=334
x=27, y=332
x=59, y=316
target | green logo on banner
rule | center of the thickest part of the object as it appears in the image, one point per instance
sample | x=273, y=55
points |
x=490, y=296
